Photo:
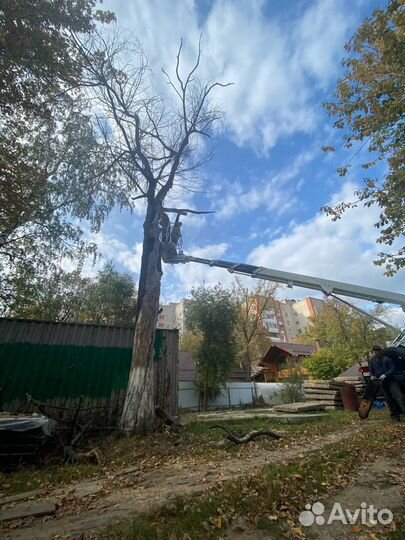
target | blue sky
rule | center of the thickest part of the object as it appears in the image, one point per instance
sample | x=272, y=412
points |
x=269, y=176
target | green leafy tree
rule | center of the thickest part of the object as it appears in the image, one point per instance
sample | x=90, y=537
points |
x=369, y=107
x=345, y=335
x=38, y=63
x=54, y=169
x=53, y=176
x=109, y=298
x=191, y=341
x=326, y=364
x=212, y=314
x=56, y=296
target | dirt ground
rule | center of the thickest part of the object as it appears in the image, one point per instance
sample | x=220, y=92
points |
x=380, y=483
x=90, y=505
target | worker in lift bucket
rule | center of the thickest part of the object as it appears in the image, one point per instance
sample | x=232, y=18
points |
x=383, y=370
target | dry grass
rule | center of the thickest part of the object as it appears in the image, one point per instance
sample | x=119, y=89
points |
x=193, y=444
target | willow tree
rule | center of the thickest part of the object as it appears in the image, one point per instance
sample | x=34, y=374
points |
x=53, y=169
x=154, y=136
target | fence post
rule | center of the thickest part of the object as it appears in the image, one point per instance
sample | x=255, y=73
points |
x=229, y=397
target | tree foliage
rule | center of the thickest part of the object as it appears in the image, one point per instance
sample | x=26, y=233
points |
x=37, y=62
x=252, y=337
x=346, y=334
x=54, y=170
x=109, y=298
x=190, y=341
x=53, y=176
x=369, y=107
x=326, y=364
x=212, y=314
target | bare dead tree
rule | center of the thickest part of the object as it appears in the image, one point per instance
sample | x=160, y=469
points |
x=154, y=137
x=251, y=333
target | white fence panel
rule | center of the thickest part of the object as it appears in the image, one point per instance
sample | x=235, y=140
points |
x=233, y=395
x=269, y=392
x=188, y=396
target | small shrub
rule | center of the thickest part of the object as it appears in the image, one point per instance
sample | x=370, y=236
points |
x=326, y=364
x=292, y=390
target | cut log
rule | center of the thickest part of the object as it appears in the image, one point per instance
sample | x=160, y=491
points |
x=94, y=456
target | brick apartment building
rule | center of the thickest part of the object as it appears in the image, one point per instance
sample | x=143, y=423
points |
x=285, y=320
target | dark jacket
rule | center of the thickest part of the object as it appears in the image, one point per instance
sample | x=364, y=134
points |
x=397, y=355
x=382, y=365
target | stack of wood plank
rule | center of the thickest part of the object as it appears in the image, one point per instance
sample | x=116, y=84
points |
x=357, y=382
x=327, y=392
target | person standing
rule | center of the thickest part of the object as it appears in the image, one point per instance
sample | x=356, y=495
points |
x=382, y=369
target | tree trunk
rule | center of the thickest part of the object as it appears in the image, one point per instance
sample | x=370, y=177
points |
x=139, y=411
x=205, y=399
x=248, y=364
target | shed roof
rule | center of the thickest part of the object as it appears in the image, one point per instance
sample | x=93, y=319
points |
x=353, y=371
x=297, y=349
x=187, y=369
x=276, y=350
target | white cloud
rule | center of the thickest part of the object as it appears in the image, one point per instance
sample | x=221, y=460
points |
x=395, y=316
x=342, y=250
x=180, y=279
x=111, y=248
x=274, y=65
x=324, y=23
x=270, y=193
x=192, y=275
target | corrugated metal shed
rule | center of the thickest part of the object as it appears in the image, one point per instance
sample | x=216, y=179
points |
x=62, y=363
x=61, y=333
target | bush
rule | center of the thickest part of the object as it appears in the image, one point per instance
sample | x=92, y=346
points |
x=292, y=390
x=326, y=364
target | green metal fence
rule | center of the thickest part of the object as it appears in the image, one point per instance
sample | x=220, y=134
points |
x=42, y=359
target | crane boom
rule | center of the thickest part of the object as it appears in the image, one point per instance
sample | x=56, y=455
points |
x=291, y=279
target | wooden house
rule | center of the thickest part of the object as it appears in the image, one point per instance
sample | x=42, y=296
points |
x=283, y=360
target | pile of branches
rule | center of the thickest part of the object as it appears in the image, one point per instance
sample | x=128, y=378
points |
x=70, y=432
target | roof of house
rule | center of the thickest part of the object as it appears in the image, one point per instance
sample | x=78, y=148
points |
x=353, y=371
x=276, y=351
x=187, y=369
x=297, y=349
